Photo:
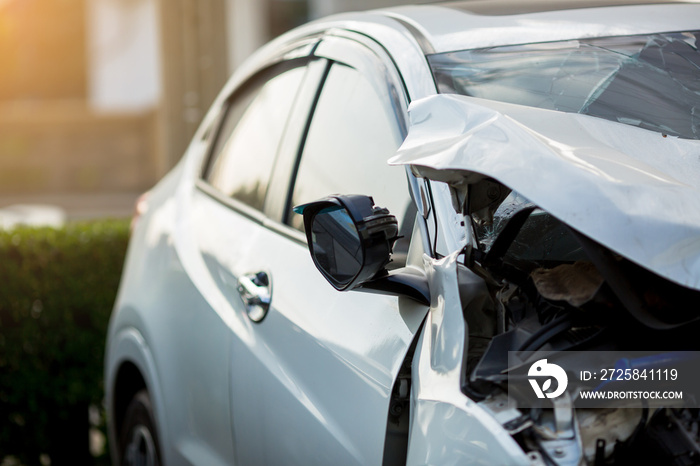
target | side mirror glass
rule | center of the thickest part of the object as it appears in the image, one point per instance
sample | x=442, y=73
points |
x=335, y=245
x=350, y=239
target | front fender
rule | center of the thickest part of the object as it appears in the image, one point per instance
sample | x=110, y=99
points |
x=446, y=426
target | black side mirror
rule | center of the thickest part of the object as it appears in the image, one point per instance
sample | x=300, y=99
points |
x=350, y=239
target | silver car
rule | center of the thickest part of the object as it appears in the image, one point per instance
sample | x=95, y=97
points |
x=381, y=210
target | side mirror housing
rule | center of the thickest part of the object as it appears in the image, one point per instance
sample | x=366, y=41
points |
x=350, y=241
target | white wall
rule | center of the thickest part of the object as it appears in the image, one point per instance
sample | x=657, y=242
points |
x=246, y=29
x=123, y=55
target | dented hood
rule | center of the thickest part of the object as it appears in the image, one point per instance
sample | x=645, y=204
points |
x=635, y=191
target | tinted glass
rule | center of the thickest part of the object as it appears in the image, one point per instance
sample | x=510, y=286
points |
x=541, y=241
x=649, y=81
x=353, y=132
x=336, y=244
x=246, y=147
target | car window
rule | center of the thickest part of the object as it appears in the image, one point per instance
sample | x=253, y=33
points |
x=246, y=147
x=353, y=132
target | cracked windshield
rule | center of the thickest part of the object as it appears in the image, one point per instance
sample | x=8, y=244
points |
x=648, y=81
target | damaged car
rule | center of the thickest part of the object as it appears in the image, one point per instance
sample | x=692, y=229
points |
x=289, y=297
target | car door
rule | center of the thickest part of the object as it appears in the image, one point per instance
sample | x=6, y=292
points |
x=312, y=371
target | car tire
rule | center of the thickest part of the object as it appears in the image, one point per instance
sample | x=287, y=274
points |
x=138, y=442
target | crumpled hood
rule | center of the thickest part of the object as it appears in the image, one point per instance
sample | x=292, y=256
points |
x=632, y=190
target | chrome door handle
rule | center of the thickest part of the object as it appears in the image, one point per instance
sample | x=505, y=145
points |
x=256, y=293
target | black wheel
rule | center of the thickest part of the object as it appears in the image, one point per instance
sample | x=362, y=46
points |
x=138, y=442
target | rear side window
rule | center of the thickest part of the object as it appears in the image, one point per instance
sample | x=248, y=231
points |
x=246, y=147
x=353, y=132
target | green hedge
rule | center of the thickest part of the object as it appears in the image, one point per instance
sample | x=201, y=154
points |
x=57, y=289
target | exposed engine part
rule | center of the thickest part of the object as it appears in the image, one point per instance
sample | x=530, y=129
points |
x=505, y=411
x=609, y=425
x=671, y=438
x=552, y=289
x=575, y=283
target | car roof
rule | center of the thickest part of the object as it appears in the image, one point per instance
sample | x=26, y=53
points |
x=486, y=23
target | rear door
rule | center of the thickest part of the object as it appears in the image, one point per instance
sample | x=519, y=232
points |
x=312, y=372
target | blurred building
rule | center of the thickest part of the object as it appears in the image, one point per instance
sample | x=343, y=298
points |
x=204, y=41
x=78, y=103
x=102, y=96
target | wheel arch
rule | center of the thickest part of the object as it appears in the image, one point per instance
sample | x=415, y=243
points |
x=130, y=368
x=128, y=383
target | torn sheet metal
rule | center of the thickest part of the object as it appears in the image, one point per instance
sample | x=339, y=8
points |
x=632, y=190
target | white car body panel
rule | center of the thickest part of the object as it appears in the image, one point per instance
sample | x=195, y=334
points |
x=281, y=403
x=159, y=301
x=611, y=182
x=447, y=428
